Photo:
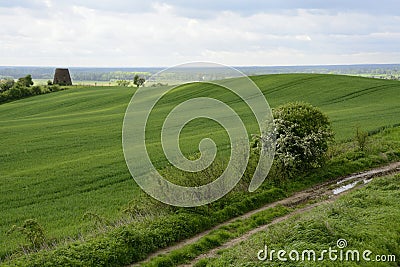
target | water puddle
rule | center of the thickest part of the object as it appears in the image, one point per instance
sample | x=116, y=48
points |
x=349, y=186
x=344, y=188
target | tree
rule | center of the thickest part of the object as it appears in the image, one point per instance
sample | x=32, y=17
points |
x=302, y=136
x=123, y=83
x=26, y=81
x=138, y=81
x=6, y=84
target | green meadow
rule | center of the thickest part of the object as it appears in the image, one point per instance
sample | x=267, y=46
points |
x=61, y=153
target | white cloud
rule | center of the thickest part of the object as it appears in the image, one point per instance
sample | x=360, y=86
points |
x=92, y=33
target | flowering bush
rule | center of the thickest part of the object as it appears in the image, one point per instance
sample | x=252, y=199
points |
x=302, y=136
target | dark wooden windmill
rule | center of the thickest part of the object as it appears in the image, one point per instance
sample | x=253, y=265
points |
x=62, y=77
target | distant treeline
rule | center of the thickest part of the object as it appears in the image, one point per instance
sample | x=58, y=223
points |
x=78, y=74
x=113, y=74
x=107, y=76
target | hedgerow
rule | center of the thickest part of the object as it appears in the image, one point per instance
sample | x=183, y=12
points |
x=132, y=243
x=10, y=90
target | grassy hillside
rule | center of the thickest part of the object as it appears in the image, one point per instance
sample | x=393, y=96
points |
x=348, y=101
x=61, y=153
x=60, y=157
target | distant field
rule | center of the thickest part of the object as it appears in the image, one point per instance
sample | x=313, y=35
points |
x=61, y=153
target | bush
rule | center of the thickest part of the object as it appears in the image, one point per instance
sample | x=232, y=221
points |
x=302, y=136
x=54, y=88
x=36, y=90
x=15, y=93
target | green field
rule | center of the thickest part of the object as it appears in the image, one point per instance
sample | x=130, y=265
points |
x=61, y=153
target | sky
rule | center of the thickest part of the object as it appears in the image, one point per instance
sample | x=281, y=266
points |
x=99, y=33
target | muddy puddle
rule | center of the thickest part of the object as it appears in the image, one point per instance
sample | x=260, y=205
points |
x=362, y=178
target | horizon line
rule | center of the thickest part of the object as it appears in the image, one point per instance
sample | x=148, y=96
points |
x=233, y=66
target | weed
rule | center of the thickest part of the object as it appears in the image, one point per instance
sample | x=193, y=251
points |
x=32, y=231
x=99, y=221
x=361, y=138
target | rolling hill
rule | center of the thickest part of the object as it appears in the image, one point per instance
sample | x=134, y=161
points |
x=61, y=153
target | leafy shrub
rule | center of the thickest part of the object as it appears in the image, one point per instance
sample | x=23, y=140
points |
x=45, y=90
x=36, y=90
x=302, y=136
x=17, y=91
x=54, y=88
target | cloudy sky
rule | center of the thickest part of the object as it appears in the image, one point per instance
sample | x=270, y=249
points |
x=163, y=33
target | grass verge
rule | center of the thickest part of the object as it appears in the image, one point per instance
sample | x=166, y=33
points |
x=366, y=218
x=217, y=237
